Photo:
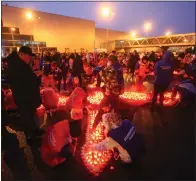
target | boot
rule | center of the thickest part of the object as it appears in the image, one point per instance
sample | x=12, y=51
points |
x=74, y=143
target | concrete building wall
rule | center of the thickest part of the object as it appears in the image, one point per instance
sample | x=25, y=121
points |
x=101, y=36
x=56, y=30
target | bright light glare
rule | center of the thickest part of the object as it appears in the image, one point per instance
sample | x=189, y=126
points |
x=133, y=34
x=29, y=15
x=106, y=12
x=168, y=33
x=147, y=26
x=13, y=29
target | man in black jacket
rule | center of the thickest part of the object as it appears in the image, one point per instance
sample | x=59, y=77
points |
x=62, y=71
x=25, y=87
x=13, y=154
x=77, y=68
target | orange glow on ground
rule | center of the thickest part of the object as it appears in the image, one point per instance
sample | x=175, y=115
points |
x=95, y=161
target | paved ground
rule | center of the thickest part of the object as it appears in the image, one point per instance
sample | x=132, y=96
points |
x=170, y=146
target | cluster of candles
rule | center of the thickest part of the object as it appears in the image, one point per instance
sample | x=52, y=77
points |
x=94, y=160
x=95, y=98
x=168, y=101
x=136, y=96
x=62, y=100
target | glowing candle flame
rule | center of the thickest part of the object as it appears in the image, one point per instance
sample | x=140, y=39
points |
x=94, y=160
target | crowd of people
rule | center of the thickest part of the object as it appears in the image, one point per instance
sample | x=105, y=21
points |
x=26, y=74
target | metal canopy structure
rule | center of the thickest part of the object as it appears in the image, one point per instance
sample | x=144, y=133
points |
x=172, y=40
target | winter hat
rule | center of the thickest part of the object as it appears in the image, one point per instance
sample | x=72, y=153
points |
x=76, y=114
x=50, y=98
x=75, y=100
x=56, y=137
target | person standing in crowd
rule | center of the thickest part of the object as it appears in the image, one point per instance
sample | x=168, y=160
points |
x=114, y=84
x=133, y=59
x=75, y=106
x=36, y=63
x=188, y=58
x=164, y=73
x=102, y=64
x=25, y=88
x=62, y=71
x=48, y=75
x=141, y=71
x=76, y=68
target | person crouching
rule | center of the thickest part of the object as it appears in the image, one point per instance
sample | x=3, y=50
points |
x=121, y=137
x=56, y=144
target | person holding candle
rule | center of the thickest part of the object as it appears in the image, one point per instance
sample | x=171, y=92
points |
x=112, y=77
x=121, y=137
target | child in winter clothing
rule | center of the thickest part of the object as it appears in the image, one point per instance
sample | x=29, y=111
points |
x=121, y=137
x=141, y=71
x=75, y=105
x=56, y=144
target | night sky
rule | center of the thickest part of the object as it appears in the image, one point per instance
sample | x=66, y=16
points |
x=177, y=17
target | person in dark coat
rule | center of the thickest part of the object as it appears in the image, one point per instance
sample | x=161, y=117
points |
x=13, y=154
x=76, y=69
x=62, y=71
x=164, y=74
x=25, y=87
x=133, y=59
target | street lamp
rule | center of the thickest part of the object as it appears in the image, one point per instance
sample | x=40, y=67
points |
x=133, y=34
x=168, y=33
x=147, y=27
x=13, y=29
x=29, y=15
x=107, y=13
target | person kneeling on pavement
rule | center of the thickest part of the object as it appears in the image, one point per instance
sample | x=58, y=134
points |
x=122, y=138
x=187, y=87
x=57, y=144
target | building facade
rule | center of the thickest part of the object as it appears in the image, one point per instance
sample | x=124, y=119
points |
x=57, y=31
x=63, y=32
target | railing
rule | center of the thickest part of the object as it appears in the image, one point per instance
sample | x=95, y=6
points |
x=173, y=40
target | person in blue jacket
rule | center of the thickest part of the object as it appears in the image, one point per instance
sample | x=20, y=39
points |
x=164, y=74
x=121, y=137
x=187, y=88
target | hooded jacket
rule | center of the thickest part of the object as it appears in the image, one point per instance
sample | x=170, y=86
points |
x=75, y=103
x=56, y=138
x=130, y=145
x=24, y=84
x=164, y=69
